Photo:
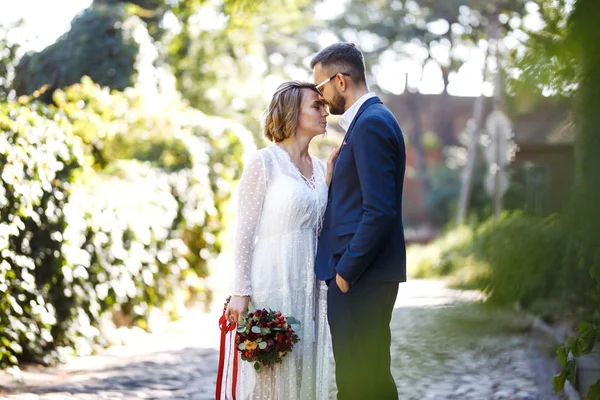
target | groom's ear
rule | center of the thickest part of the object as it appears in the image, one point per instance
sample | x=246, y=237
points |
x=343, y=82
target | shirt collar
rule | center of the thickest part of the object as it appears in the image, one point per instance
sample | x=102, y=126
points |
x=348, y=116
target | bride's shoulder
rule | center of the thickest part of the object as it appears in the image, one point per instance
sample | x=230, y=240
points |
x=263, y=157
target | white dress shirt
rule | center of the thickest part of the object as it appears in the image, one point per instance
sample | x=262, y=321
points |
x=348, y=116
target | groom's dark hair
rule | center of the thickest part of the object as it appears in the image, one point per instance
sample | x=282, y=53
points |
x=342, y=57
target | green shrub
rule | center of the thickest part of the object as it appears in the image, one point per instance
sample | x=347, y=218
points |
x=121, y=229
x=123, y=126
x=39, y=161
x=517, y=259
x=441, y=257
x=526, y=257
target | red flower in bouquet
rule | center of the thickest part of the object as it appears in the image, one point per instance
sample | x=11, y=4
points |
x=264, y=337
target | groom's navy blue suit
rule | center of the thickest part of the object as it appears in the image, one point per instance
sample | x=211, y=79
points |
x=363, y=241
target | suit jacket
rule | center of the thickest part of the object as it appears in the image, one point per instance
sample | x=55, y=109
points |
x=363, y=234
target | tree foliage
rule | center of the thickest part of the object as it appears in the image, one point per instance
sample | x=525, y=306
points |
x=103, y=43
x=9, y=49
x=564, y=59
x=120, y=228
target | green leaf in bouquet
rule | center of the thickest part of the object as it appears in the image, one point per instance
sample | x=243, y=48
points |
x=296, y=327
x=265, y=331
x=292, y=320
x=242, y=346
x=262, y=345
x=241, y=329
x=258, y=367
x=276, y=329
x=255, y=329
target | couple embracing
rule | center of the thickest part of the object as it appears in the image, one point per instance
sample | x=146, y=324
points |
x=324, y=242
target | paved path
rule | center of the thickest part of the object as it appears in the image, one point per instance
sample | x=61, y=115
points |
x=445, y=346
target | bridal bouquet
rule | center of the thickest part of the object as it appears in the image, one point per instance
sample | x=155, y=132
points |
x=264, y=337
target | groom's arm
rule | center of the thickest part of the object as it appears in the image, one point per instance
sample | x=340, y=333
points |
x=375, y=149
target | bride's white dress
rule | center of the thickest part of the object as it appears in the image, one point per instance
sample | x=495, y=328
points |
x=279, y=217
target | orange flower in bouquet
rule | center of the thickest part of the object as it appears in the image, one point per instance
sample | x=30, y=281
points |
x=264, y=337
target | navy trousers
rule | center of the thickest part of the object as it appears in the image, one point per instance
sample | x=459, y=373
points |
x=360, y=329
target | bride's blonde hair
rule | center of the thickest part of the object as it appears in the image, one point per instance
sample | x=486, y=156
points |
x=281, y=117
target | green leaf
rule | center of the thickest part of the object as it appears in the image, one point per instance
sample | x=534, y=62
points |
x=16, y=347
x=292, y=320
x=242, y=346
x=255, y=329
x=571, y=371
x=574, y=346
x=587, y=341
x=257, y=366
x=594, y=392
x=585, y=327
x=5, y=341
x=262, y=345
x=241, y=329
x=265, y=331
x=561, y=352
x=558, y=382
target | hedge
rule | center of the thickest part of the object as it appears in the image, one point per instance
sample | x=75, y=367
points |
x=106, y=205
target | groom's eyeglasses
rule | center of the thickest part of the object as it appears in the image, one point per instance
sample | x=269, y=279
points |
x=320, y=85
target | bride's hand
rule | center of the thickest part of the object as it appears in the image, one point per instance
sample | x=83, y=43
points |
x=238, y=306
x=331, y=163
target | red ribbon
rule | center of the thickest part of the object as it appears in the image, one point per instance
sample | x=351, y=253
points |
x=227, y=328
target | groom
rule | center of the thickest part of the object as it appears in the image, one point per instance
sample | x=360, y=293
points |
x=361, y=253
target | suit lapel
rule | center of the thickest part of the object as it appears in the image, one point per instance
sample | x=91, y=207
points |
x=366, y=104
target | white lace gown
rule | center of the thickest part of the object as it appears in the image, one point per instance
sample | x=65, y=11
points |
x=280, y=214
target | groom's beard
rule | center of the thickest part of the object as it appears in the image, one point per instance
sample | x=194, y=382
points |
x=337, y=105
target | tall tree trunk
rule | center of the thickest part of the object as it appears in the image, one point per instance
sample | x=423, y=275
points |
x=468, y=173
x=445, y=122
x=586, y=31
x=416, y=141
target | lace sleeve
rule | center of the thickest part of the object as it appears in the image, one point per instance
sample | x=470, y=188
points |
x=251, y=194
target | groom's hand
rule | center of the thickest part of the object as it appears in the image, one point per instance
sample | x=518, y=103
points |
x=342, y=283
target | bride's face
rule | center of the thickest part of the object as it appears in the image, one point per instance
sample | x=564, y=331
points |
x=312, y=119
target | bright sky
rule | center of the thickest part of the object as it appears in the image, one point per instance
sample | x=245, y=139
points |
x=45, y=21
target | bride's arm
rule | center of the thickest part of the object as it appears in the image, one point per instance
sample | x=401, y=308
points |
x=251, y=193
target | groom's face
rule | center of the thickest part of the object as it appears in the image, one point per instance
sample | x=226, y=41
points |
x=330, y=92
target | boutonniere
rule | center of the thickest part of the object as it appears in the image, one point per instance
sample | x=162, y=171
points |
x=344, y=143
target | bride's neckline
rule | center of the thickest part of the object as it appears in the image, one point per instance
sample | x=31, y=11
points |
x=310, y=181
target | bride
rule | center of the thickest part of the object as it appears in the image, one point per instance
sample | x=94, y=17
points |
x=282, y=199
